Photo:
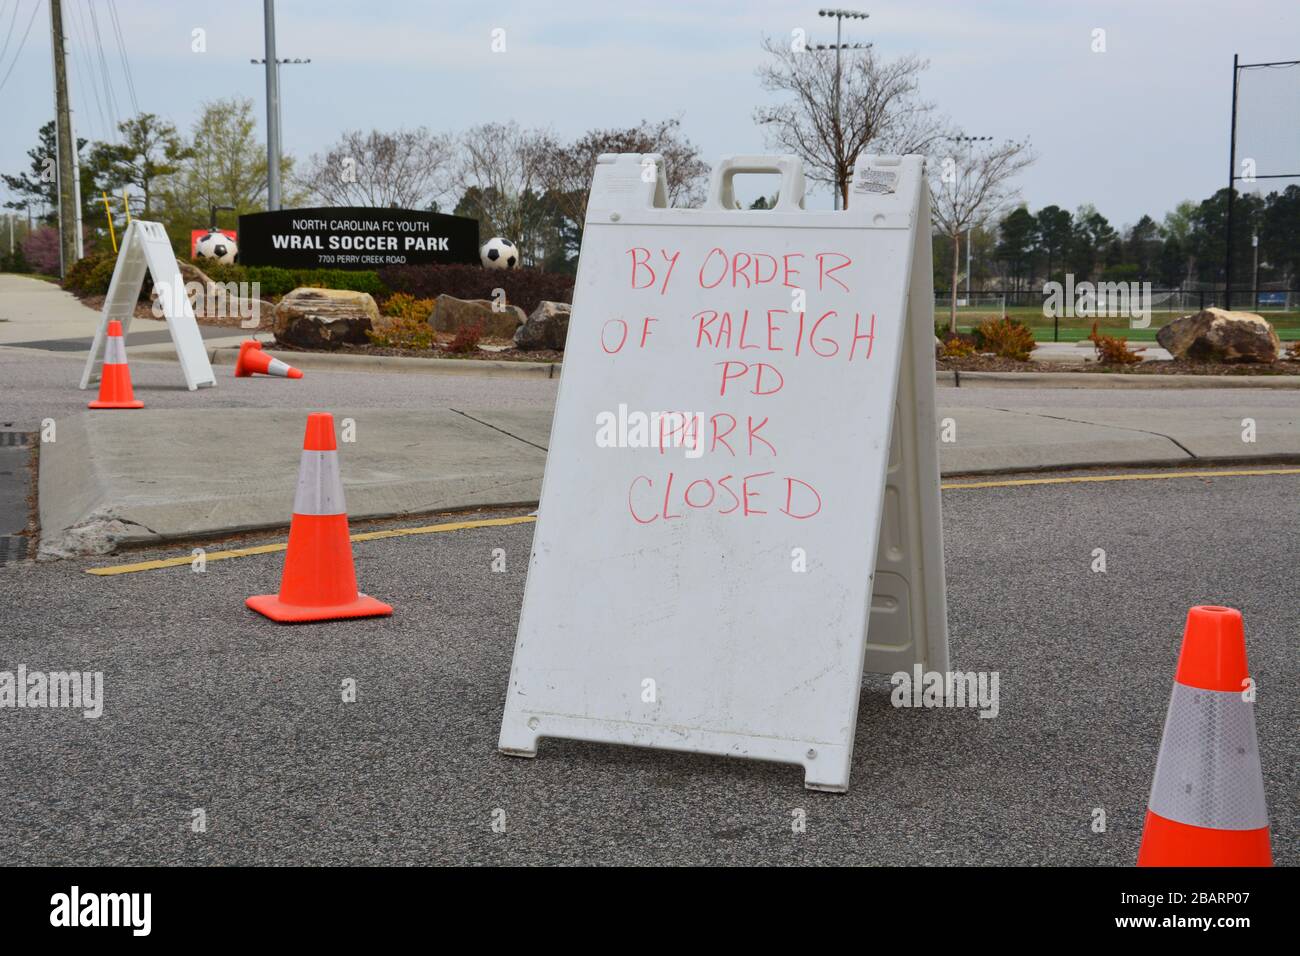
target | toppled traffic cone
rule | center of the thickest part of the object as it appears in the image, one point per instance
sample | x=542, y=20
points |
x=319, y=582
x=253, y=360
x=1207, y=799
x=115, y=378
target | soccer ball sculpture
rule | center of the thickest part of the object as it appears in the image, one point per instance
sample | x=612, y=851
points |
x=498, y=253
x=217, y=246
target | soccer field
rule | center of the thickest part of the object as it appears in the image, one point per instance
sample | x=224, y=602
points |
x=1074, y=329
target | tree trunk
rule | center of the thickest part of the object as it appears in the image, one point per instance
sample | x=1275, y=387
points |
x=956, y=261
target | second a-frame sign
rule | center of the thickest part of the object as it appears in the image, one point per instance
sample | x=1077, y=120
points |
x=146, y=248
x=740, y=511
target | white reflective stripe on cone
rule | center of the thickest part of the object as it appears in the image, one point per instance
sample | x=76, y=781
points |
x=115, y=350
x=1208, y=772
x=277, y=368
x=320, y=492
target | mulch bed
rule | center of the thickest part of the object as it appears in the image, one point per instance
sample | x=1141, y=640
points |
x=975, y=363
x=508, y=355
x=144, y=310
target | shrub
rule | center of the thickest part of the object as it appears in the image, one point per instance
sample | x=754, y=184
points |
x=466, y=339
x=403, y=306
x=91, y=275
x=405, y=333
x=1007, y=338
x=41, y=249
x=957, y=347
x=1112, y=350
x=101, y=276
x=77, y=279
x=523, y=287
x=17, y=262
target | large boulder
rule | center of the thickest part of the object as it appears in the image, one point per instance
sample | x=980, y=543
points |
x=325, y=318
x=451, y=315
x=1218, y=335
x=546, y=328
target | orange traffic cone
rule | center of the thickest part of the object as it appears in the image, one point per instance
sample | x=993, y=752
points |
x=319, y=581
x=1207, y=799
x=253, y=360
x=114, y=377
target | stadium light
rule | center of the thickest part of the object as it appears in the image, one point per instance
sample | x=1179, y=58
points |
x=273, y=138
x=969, y=139
x=840, y=16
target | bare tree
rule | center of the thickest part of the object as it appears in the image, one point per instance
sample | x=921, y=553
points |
x=968, y=189
x=499, y=175
x=406, y=168
x=568, y=170
x=879, y=109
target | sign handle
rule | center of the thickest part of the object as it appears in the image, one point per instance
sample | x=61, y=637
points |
x=790, y=168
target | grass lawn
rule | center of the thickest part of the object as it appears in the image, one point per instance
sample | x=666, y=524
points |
x=1077, y=329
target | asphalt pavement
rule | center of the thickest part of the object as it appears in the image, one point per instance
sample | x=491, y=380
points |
x=209, y=707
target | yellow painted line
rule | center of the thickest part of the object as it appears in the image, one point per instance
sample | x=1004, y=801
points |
x=1085, y=479
x=503, y=522
x=272, y=548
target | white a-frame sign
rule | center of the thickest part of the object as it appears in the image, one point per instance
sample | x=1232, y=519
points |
x=145, y=246
x=740, y=512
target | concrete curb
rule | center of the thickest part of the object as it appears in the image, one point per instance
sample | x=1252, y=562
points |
x=1112, y=380
x=177, y=474
x=226, y=355
x=173, y=474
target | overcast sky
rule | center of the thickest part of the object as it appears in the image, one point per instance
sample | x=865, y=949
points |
x=1132, y=130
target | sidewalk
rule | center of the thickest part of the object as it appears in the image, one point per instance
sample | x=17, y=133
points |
x=222, y=460
x=35, y=313
x=174, y=474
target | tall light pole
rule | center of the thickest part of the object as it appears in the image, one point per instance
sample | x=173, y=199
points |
x=840, y=16
x=279, y=63
x=1254, y=242
x=272, y=111
x=969, y=226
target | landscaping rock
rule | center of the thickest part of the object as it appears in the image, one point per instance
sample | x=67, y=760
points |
x=451, y=315
x=1218, y=335
x=192, y=273
x=546, y=328
x=325, y=318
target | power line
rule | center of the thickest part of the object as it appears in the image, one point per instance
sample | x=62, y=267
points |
x=87, y=74
x=9, y=35
x=126, y=64
x=103, y=66
x=21, y=43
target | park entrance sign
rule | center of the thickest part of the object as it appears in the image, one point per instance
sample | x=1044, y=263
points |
x=740, y=511
x=332, y=237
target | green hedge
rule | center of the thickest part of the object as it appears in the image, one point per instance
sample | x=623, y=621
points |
x=91, y=276
x=275, y=281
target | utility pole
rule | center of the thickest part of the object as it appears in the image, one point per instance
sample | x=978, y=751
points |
x=272, y=111
x=65, y=149
x=840, y=16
